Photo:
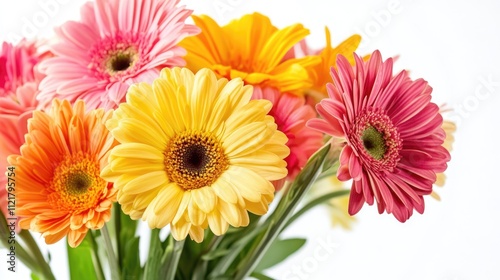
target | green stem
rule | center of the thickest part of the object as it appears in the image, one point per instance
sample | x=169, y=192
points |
x=173, y=261
x=32, y=247
x=95, y=255
x=216, y=239
x=118, y=227
x=284, y=211
x=113, y=263
x=19, y=250
x=23, y=256
x=201, y=265
x=31, y=256
x=152, y=267
x=236, y=242
x=311, y=204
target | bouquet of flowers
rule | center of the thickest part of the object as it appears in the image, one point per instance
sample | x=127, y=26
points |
x=214, y=134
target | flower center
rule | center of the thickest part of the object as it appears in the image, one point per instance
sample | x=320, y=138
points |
x=114, y=57
x=194, y=159
x=121, y=61
x=78, y=182
x=76, y=185
x=376, y=140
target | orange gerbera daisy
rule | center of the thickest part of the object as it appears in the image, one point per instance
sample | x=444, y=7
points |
x=320, y=73
x=252, y=49
x=58, y=187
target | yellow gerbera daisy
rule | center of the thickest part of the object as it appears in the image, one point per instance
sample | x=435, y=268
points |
x=195, y=152
x=58, y=187
x=252, y=49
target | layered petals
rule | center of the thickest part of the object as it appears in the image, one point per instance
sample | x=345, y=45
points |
x=392, y=131
x=252, y=49
x=58, y=188
x=208, y=156
x=114, y=45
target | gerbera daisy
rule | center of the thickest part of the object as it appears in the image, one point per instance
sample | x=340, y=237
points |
x=14, y=114
x=17, y=64
x=19, y=80
x=252, y=49
x=291, y=114
x=58, y=188
x=18, y=88
x=195, y=152
x=116, y=43
x=320, y=72
x=392, y=131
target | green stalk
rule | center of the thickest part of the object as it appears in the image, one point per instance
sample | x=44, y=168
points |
x=201, y=266
x=34, y=250
x=155, y=255
x=311, y=204
x=113, y=263
x=95, y=255
x=284, y=211
x=23, y=256
x=118, y=225
x=173, y=260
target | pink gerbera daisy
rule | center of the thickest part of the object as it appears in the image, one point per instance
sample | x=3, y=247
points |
x=392, y=132
x=18, y=88
x=116, y=43
x=17, y=66
x=291, y=114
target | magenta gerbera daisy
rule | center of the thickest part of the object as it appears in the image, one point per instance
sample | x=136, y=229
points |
x=393, y=136
x=115, y=44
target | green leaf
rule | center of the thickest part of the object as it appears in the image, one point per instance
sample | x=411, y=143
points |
x=279, y=251
x=260, y=276
x=80, y=260
x=35, y=277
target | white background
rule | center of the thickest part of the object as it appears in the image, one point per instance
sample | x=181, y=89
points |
x=455, y=45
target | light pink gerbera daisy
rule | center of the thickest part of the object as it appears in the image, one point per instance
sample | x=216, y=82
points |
x=116, y=43
x=392, y=131
x=291, y=114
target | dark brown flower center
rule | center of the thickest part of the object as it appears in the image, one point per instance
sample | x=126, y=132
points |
x=121, y=62
x=194, y=160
